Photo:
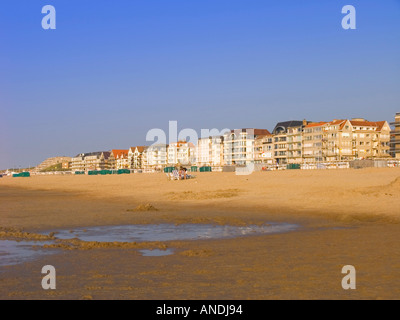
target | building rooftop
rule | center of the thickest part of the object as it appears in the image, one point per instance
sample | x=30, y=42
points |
x=120, y=153
x=91, y=154
x=316, y=124
x=256, y=132
x=283, y=126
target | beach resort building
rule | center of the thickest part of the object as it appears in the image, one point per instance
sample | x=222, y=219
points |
x=337, y=141
x=288, y=138
x=264, y=149
x=396, y=137
x=346, y=140
x=181, y=152
x=370, y=139
x=210, y=151
x=118, y=159
x=312, y=141
x=155, y=157
x=90, y=161
x=135, y=157
x=239, y=145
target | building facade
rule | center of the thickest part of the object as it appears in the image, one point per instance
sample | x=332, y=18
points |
x=264, y=149
x=118, y=159
x=155, y=157
x=239, y=146
x=135, y=157
x=312, y=142
x=181, y=153
x=90, y=161
x=210, y=151
x=370, y=139
x=288, y=138
x=396, y=137
x=346, y=140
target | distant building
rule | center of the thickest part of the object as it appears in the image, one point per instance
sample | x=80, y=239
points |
x=155, y=157
x=395, y=149
x=239, y=145
x=313, y=137
x=264, y=149
x=346, y=140
x=180, y=152
x=90, y=161
x=210, y=151
x=370, y=139
x=118, y=159
x=135, y=157
x=288, y=141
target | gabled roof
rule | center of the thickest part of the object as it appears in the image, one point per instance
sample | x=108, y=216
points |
x=120, y=153
x=381, y=124
x=316, y=124
x=140, y=148
x=378, y=124
x=338, y=122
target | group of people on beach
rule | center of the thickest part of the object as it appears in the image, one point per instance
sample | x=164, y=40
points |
x=181, y=174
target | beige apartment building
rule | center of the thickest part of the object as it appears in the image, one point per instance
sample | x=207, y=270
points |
x=312, y=141
x=264, y=149
x=395, y=134
x=135, y=157
x=370, y=139
x=118, y=159
x=346, y=140
x=288, y=139
x=90, y=161
x=210, y=151
x=337, y=141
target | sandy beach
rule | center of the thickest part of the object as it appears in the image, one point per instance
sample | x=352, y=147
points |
x=345, y=217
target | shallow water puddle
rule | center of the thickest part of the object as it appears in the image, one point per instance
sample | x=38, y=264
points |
x=13, y=252
x=156, y=252
x=170, y=232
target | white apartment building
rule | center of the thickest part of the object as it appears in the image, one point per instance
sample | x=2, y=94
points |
x=181, y=152
x=239, y=146
x=155, y=157
x=210, y=151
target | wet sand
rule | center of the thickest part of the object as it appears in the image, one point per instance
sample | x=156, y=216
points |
x=347, y=217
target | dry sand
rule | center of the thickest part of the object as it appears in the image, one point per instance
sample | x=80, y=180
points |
x=347, y=217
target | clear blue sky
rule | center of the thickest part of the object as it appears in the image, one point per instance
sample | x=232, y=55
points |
x=112, y=70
